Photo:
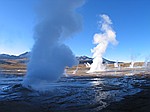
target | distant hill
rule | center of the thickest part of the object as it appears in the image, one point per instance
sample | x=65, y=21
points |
x=86, y=59
x=81, y=59
x=25, y=55
x=7, y=56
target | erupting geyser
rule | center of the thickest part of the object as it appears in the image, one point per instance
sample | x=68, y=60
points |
x=57, y=20
x=102, y=40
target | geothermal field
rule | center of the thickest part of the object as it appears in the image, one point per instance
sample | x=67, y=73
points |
x=50, y=78
x=118, y=88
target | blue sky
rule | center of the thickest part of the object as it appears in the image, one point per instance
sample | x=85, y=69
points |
x=131, y=22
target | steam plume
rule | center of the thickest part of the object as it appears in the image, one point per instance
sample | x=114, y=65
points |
x=102, y=40
x=57, y=20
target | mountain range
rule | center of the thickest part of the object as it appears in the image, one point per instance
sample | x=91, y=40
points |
x=81, y=59
x=7, y=56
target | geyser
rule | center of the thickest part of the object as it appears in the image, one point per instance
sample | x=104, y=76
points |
x=57, y=20
x=102, y=40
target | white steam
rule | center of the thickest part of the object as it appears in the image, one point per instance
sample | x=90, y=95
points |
x=102, y=40
x=57, y=20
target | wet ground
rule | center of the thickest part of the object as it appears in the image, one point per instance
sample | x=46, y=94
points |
x=139, y=102
x=69, y=94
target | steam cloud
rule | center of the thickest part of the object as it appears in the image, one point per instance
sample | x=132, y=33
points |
x=58, y=20
x=102, y=40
